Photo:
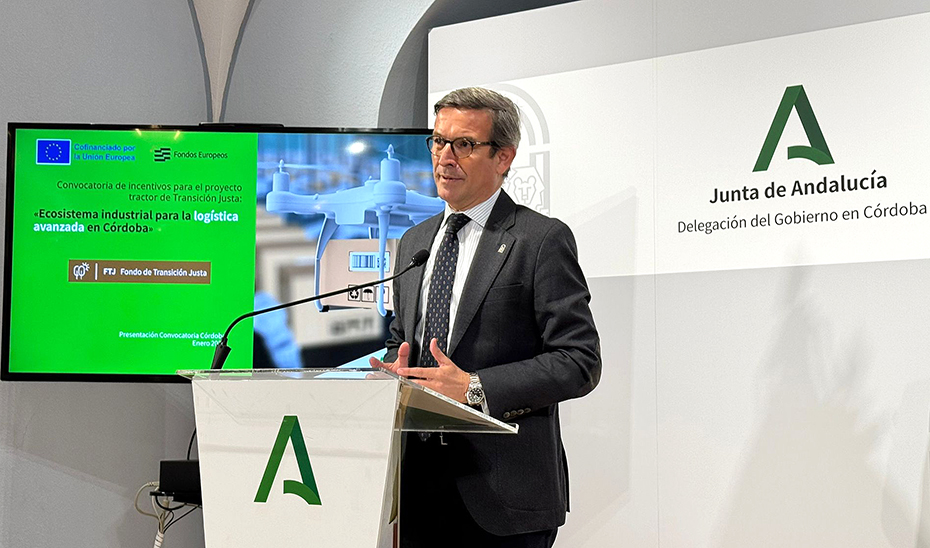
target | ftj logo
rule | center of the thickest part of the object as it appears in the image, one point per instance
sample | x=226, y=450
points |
x=817, y=152
x=306, y=488
x=53, y=152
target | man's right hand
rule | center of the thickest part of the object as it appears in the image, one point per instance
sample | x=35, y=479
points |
x=403, y=353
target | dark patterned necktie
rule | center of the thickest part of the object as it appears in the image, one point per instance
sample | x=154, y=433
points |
x=440, y=290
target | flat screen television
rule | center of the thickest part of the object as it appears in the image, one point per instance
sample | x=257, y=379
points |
x=129, y=249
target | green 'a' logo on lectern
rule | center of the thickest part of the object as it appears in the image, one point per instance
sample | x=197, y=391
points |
x=817, y=152
x=306, y=488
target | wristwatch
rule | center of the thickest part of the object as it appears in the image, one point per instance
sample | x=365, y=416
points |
x=474, y=395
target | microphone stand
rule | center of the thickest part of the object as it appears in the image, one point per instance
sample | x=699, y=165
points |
x=222, y=348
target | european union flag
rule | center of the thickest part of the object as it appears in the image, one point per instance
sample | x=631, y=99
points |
x=53, y=151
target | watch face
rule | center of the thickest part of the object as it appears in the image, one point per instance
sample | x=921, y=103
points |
x=475, y=396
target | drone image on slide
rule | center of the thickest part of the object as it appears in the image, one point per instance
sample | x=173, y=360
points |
x=378, y=205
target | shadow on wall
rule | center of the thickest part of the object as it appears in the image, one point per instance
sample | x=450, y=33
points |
x=923, y=526
x=598, y=429
x=403, y=101
x=804, y=477
x=896, y=518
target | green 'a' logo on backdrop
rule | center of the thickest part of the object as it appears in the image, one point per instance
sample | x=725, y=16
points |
x=306, y=488
x=817, y=151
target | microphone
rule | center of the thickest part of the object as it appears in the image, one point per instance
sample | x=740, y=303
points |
x=222, y=348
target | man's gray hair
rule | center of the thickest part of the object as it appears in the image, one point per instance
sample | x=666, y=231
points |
x=505, y=116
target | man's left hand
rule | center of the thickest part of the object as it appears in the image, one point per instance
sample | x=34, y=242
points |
x=447, y=379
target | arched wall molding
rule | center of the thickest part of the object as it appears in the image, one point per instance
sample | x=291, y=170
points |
x=215, y=22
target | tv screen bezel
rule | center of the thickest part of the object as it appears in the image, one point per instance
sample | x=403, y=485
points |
x=13, y=127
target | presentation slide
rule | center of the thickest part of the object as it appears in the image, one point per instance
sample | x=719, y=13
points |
x=133, y=250
x=130, y=250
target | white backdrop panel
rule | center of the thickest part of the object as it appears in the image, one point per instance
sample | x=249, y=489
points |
x=868, y=90
x=761, y=402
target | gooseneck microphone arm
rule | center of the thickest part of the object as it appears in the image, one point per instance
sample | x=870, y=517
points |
x=222, y=348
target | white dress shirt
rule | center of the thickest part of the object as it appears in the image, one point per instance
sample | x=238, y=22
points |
x=468, y=236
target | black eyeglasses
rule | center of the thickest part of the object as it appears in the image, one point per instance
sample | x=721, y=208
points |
x=462, y=147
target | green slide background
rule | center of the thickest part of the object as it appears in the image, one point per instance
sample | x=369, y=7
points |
x=73, y=327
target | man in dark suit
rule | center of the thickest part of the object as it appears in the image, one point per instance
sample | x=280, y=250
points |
x=498, y=319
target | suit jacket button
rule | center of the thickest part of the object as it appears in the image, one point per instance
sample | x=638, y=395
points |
x=519, y=411
x=527, y=409
x=507, y=414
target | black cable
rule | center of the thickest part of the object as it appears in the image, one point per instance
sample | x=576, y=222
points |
x=191, y=444
x=173, y=521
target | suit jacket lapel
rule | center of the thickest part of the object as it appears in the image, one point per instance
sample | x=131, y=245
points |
x=489, y=258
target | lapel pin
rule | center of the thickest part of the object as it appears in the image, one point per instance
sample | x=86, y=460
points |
x=502, y=248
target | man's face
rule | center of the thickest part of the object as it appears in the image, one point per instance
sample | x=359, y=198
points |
x=466, y=182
